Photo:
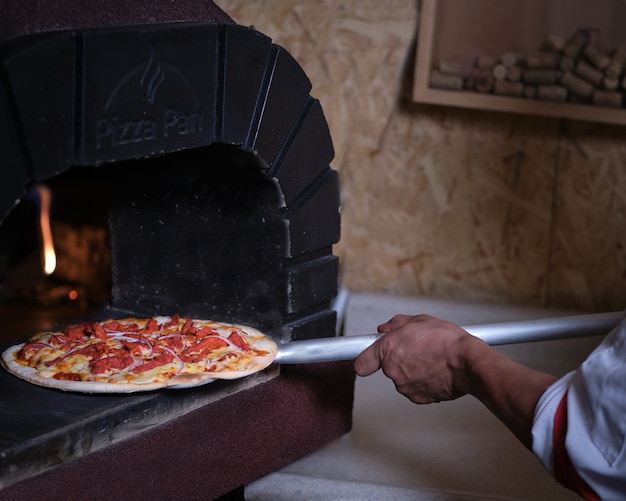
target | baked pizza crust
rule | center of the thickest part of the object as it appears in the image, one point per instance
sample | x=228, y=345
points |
x=189, y=380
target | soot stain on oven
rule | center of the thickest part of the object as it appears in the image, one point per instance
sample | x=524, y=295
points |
x=208, y=240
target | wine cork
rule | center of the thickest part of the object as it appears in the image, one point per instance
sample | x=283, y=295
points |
x=530, y=91
x=485, y=62
x=552, y=93
x=589, y=73
x=506, y=88
x=499, y=71
x=610, y=83
x=615, y=67
x=453, y=68
x=540, y=76
x=607, y=98
x=596, y=57
x=553, y=43
x=443, y=81
x=576, y=44
x=510, y=59
x=566, y=64
x=577, y=85
x=514, y=74
x=539, y=59
x=482, y=81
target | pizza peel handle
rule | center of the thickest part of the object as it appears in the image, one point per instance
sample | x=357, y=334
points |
x=546, y=329
x=328, y=349
x=331, y=349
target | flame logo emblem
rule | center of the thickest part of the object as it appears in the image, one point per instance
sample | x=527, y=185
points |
x=147, y=77
x=152, y=77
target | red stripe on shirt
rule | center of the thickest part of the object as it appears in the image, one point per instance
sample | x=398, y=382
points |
x=564, y=470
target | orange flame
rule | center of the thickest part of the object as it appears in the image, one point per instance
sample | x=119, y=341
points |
x=49, y=256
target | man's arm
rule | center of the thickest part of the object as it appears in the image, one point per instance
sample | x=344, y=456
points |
x=430, y=360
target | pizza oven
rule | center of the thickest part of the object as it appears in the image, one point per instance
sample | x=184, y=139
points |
x=177, y=163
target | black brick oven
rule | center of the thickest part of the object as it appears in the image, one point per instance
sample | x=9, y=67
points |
x=201, y=141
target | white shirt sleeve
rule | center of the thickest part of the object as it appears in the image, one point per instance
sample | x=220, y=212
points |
x=596, y=418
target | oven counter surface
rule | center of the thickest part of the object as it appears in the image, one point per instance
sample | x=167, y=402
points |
x=41, y=428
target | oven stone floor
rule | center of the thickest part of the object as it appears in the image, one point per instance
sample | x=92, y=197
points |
x=441, y=452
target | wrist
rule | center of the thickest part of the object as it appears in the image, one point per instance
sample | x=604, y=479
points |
x=475, y=356
x=508, y=389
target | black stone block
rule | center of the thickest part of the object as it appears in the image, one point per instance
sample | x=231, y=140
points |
x=41, y=77
x=147, y=91
x=13, y=174
x=316, y=325
x=312, y=282
x=314, y=218
x=278, y=110
x=307, y=155
x=245, y=53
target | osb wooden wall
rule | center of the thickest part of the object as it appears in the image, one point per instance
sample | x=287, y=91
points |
x=445, y=202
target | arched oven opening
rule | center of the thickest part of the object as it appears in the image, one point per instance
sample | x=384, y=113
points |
x=207, y=240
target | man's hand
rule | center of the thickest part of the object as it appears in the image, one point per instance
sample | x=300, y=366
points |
x=430, y=360
x=425, y=357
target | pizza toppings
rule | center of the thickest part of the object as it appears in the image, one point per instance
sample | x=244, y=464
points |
x=239, y=341
x=142, y=351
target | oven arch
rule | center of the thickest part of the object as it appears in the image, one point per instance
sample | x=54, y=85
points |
x=122, y=94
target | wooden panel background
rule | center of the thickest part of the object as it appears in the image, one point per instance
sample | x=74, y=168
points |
x=446, y=202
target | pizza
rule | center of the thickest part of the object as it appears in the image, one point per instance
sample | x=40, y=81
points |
x=140, y=354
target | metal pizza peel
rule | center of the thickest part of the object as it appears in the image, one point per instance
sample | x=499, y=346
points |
x=546, y=329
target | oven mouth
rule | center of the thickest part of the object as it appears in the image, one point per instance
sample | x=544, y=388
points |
x=216, y=205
